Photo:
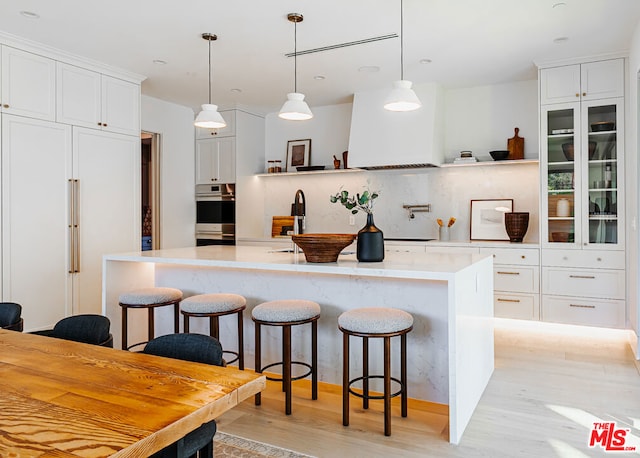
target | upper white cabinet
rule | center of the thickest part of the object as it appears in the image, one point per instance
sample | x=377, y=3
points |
x=216, y=160
x=28, y=84
x=90, y=99
x=228, y=131
x=582, y=82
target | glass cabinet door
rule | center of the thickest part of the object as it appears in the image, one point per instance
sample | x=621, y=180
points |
x=561, y=202
x=602, y=174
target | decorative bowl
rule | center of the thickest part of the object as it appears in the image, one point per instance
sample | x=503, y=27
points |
x=602, y=126
x=322, y=247
x=567, y=149
x=499, y=155
x=560, y=237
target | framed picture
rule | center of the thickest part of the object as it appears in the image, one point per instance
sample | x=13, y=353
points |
x=487, y=219
x=298, y=154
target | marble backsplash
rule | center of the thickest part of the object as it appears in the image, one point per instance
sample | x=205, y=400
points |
x=448, y=190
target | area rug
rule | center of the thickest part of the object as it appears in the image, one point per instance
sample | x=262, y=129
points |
x=227, y=446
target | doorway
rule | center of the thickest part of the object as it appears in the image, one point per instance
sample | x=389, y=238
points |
x=150, y=195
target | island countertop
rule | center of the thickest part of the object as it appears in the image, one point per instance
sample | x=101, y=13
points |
x=449, y=295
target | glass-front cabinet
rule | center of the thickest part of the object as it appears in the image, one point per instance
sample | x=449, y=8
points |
x=582, y=202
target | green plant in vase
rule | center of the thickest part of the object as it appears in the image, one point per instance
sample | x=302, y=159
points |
x=370, y=244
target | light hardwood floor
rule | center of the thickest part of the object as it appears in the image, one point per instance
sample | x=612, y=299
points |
x=550, y=384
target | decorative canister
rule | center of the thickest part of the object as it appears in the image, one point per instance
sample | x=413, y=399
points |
x=443, y=233
x=562, y=208
x=516, y=224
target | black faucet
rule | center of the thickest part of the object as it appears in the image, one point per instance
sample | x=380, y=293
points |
x=299, y=212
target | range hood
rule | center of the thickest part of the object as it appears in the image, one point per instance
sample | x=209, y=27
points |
x=382, y=139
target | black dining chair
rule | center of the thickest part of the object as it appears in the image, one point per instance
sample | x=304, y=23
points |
x=89, y=328
x=197, y=348
x=10, y=316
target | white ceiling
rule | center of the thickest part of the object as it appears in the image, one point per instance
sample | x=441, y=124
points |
x=469, y=42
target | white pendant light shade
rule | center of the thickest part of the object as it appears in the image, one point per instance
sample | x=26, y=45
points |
x=209, y=118
x=295, y=108
x=402, y=97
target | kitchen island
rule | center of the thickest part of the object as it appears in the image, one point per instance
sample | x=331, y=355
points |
x=450, y=350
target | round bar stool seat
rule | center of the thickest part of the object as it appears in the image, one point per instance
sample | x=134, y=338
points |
x=287, y=313
x=149, y=298
x=213, y=306
x=375, y=322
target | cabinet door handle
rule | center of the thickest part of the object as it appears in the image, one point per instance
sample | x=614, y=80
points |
x=582, y=306
x=584, y=94
x=5, y=106
x=99, y=123
x=72, y=233
x=508, y=273
x=588, y=277
x=508, y=300
x=577, y=94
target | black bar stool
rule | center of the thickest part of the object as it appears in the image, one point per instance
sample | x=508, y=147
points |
x=375, y=322
x=287, y=313
x=149, y=298
x=214, y=306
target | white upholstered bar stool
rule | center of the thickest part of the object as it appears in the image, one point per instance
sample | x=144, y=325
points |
x=213, y=306
x=287, y=313
x=375, y=322
x=149, y=298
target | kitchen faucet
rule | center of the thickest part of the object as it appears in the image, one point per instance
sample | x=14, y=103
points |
x=299, y=212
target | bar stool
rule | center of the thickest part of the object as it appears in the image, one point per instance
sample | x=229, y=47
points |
x=214, y=306
x=287, y=313
x=373, y=322
x=149, y=298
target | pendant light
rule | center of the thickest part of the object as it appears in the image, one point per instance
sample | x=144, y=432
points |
x=295, y=108
x=209, y=117
x=402, y=97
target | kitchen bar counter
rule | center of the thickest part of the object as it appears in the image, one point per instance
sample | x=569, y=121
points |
x=450, y=355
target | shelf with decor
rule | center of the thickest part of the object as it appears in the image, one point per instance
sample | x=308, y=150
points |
x=491, y=163
x=310, y=172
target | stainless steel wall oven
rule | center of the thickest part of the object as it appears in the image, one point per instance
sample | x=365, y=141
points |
x=215, y=214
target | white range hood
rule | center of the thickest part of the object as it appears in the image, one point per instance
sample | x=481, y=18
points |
x=382, y=139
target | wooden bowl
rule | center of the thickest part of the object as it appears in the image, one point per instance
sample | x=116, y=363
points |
x=322, y=247
x=560, y=236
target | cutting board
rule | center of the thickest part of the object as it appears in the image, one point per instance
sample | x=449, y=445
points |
x=278, y=222
x=515, y=145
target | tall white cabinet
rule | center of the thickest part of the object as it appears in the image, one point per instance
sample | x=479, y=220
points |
x=69, y=180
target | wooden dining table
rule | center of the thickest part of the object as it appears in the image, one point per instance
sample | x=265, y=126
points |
x=60, y=398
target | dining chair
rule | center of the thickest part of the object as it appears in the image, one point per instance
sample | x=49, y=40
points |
x=89, y=328
x=198, y=348
x=10, y=316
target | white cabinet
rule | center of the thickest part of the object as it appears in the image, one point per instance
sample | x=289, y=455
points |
x=582, y=82
x=28, y=84
x=228, y=131
x=216, y=160
x=90, y=99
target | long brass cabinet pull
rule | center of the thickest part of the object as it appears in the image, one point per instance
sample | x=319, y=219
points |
x=74, y=236
x=76, y=224
x=508, y=300
x=582, y=306
x=508, y=273
x=588, y=277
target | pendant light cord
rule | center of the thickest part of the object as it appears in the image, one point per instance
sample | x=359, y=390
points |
x=295, y=56
x=209, y=40
x=401, y=42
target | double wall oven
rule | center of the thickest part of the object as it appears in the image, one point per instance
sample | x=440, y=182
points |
x=215, y=214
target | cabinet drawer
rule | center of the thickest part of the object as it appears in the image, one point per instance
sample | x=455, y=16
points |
x=518, y=306
x=517, y=256
x=516, y=279
x=583, y=258
x=590, y=312
x=606, y=284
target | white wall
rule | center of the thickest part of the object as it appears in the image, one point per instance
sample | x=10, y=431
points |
x=174, y=123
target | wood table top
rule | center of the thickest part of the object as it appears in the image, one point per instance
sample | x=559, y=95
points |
x=60, y=398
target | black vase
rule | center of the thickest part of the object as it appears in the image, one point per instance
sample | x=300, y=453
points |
x=516, y=224
x=370, y=245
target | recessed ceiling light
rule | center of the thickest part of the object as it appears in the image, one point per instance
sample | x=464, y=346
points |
x=369, y=69
x=318, y=77
x=425, y=61
x=160, y=62
x=235, y=89
x=559, y=5
x=30, y=14
x=560, y=40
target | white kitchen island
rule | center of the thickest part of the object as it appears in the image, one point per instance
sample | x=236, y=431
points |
x=450, y=349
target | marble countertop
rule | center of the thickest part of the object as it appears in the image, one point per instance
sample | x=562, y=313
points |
x=436, y=266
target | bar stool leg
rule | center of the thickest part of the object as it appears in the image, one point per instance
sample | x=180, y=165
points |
x=403, y=372
x=151, y=323
x=186, y=324
x=387, y=386
x=365, y=372
x=286, y=377
x=345, y=379
x=314, y=360
x=240, y=341
x=258, y=363
x=214, y=327
x=124, y=328
x=176, y=318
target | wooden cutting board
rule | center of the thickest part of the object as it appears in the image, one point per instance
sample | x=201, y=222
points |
x=515, y=145
x=278, y=222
